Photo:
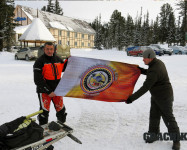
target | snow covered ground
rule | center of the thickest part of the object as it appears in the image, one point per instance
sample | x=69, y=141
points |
x=99, y=125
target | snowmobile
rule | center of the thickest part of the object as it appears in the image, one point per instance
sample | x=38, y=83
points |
x=51, y=136
x=30, y=136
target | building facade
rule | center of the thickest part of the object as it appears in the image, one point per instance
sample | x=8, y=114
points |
x=73, y=32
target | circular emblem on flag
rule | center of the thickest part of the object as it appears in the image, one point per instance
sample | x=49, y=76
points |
x=97, y=78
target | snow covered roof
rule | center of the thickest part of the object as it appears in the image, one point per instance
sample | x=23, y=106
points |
x=31, y=17
x=58, y=21
x=57, y=25
x=21, y=29
x=37, y=31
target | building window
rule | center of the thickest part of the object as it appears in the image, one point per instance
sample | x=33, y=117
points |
x=60, y=32
x=82, y=36
x=68, y=43
x=19, y=35
x=68, y=34
x=75, y=35
x=75, y=43
x=82, y=44
x=88, y=37
x=59, y=42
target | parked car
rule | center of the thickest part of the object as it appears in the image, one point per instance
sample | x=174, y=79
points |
x=158, y=51
x=165, y=48
x=14, y=49
x=185, y=50
x=137, y=51
x=178, y=50
x=130, y=49
x=27, y=53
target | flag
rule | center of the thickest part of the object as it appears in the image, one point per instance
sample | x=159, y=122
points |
x=96, y=79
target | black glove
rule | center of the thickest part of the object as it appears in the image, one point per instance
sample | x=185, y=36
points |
x=142, y=70
x=128, y=101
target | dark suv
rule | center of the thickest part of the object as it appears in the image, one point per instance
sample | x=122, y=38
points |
x=168, y=51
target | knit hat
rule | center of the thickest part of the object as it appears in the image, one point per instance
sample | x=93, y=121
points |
x=149, y=53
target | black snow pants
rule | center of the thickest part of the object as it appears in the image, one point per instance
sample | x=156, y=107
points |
x=162, y=107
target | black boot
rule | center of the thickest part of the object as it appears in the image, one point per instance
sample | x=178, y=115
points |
x=43, y=118
x=61, y=115
x=51, y=147
x=152, y=138
x=63, y=118
x=176, y=145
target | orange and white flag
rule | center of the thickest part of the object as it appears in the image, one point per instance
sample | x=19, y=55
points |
x=96, y=79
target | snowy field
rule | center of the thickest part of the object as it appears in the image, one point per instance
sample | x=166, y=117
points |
x=99, y=125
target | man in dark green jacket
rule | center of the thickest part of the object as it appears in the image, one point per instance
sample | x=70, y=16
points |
x=157, y=82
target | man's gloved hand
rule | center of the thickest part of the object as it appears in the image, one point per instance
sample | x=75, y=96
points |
x=128, y=101
x=141, y=69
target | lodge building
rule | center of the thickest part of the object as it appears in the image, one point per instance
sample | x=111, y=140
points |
x=73, y=32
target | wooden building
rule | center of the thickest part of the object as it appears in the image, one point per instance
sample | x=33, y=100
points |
x=74, y=32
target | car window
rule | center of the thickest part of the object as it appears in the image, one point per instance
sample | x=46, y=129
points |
x=143, y=48
x=156, y=48
x=25, y=49
x=172, y=47
x=34, y=48
x=21, y=50
x=181, y=48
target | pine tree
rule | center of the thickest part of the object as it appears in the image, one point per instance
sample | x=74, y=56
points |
x=166, y=10
x=97, y=26
x=57, y=8
x=128, y=33
x=105, y=35
x=171, y=29
x=53, y=8
x=151, y=34
x=2, y=23
x=120, y=38
x=116, y=30
x=6, y=24
x=44, y=8
x=155, y=31
x=50, y=7
x=178, y=33
x=145, y=31
x=183, y=13
x=137, y=34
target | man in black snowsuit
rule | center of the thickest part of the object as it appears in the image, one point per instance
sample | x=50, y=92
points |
x=157, y=82
x=47, y=74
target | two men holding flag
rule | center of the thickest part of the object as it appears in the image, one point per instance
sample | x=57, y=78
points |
x=114, y=82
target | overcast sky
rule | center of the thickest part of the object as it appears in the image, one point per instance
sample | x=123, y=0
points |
x=89, y=10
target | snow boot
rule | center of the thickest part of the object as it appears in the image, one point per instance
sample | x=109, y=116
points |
x=61, y=115
x=51, y=147
x=152, y=138
x=176, y=145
